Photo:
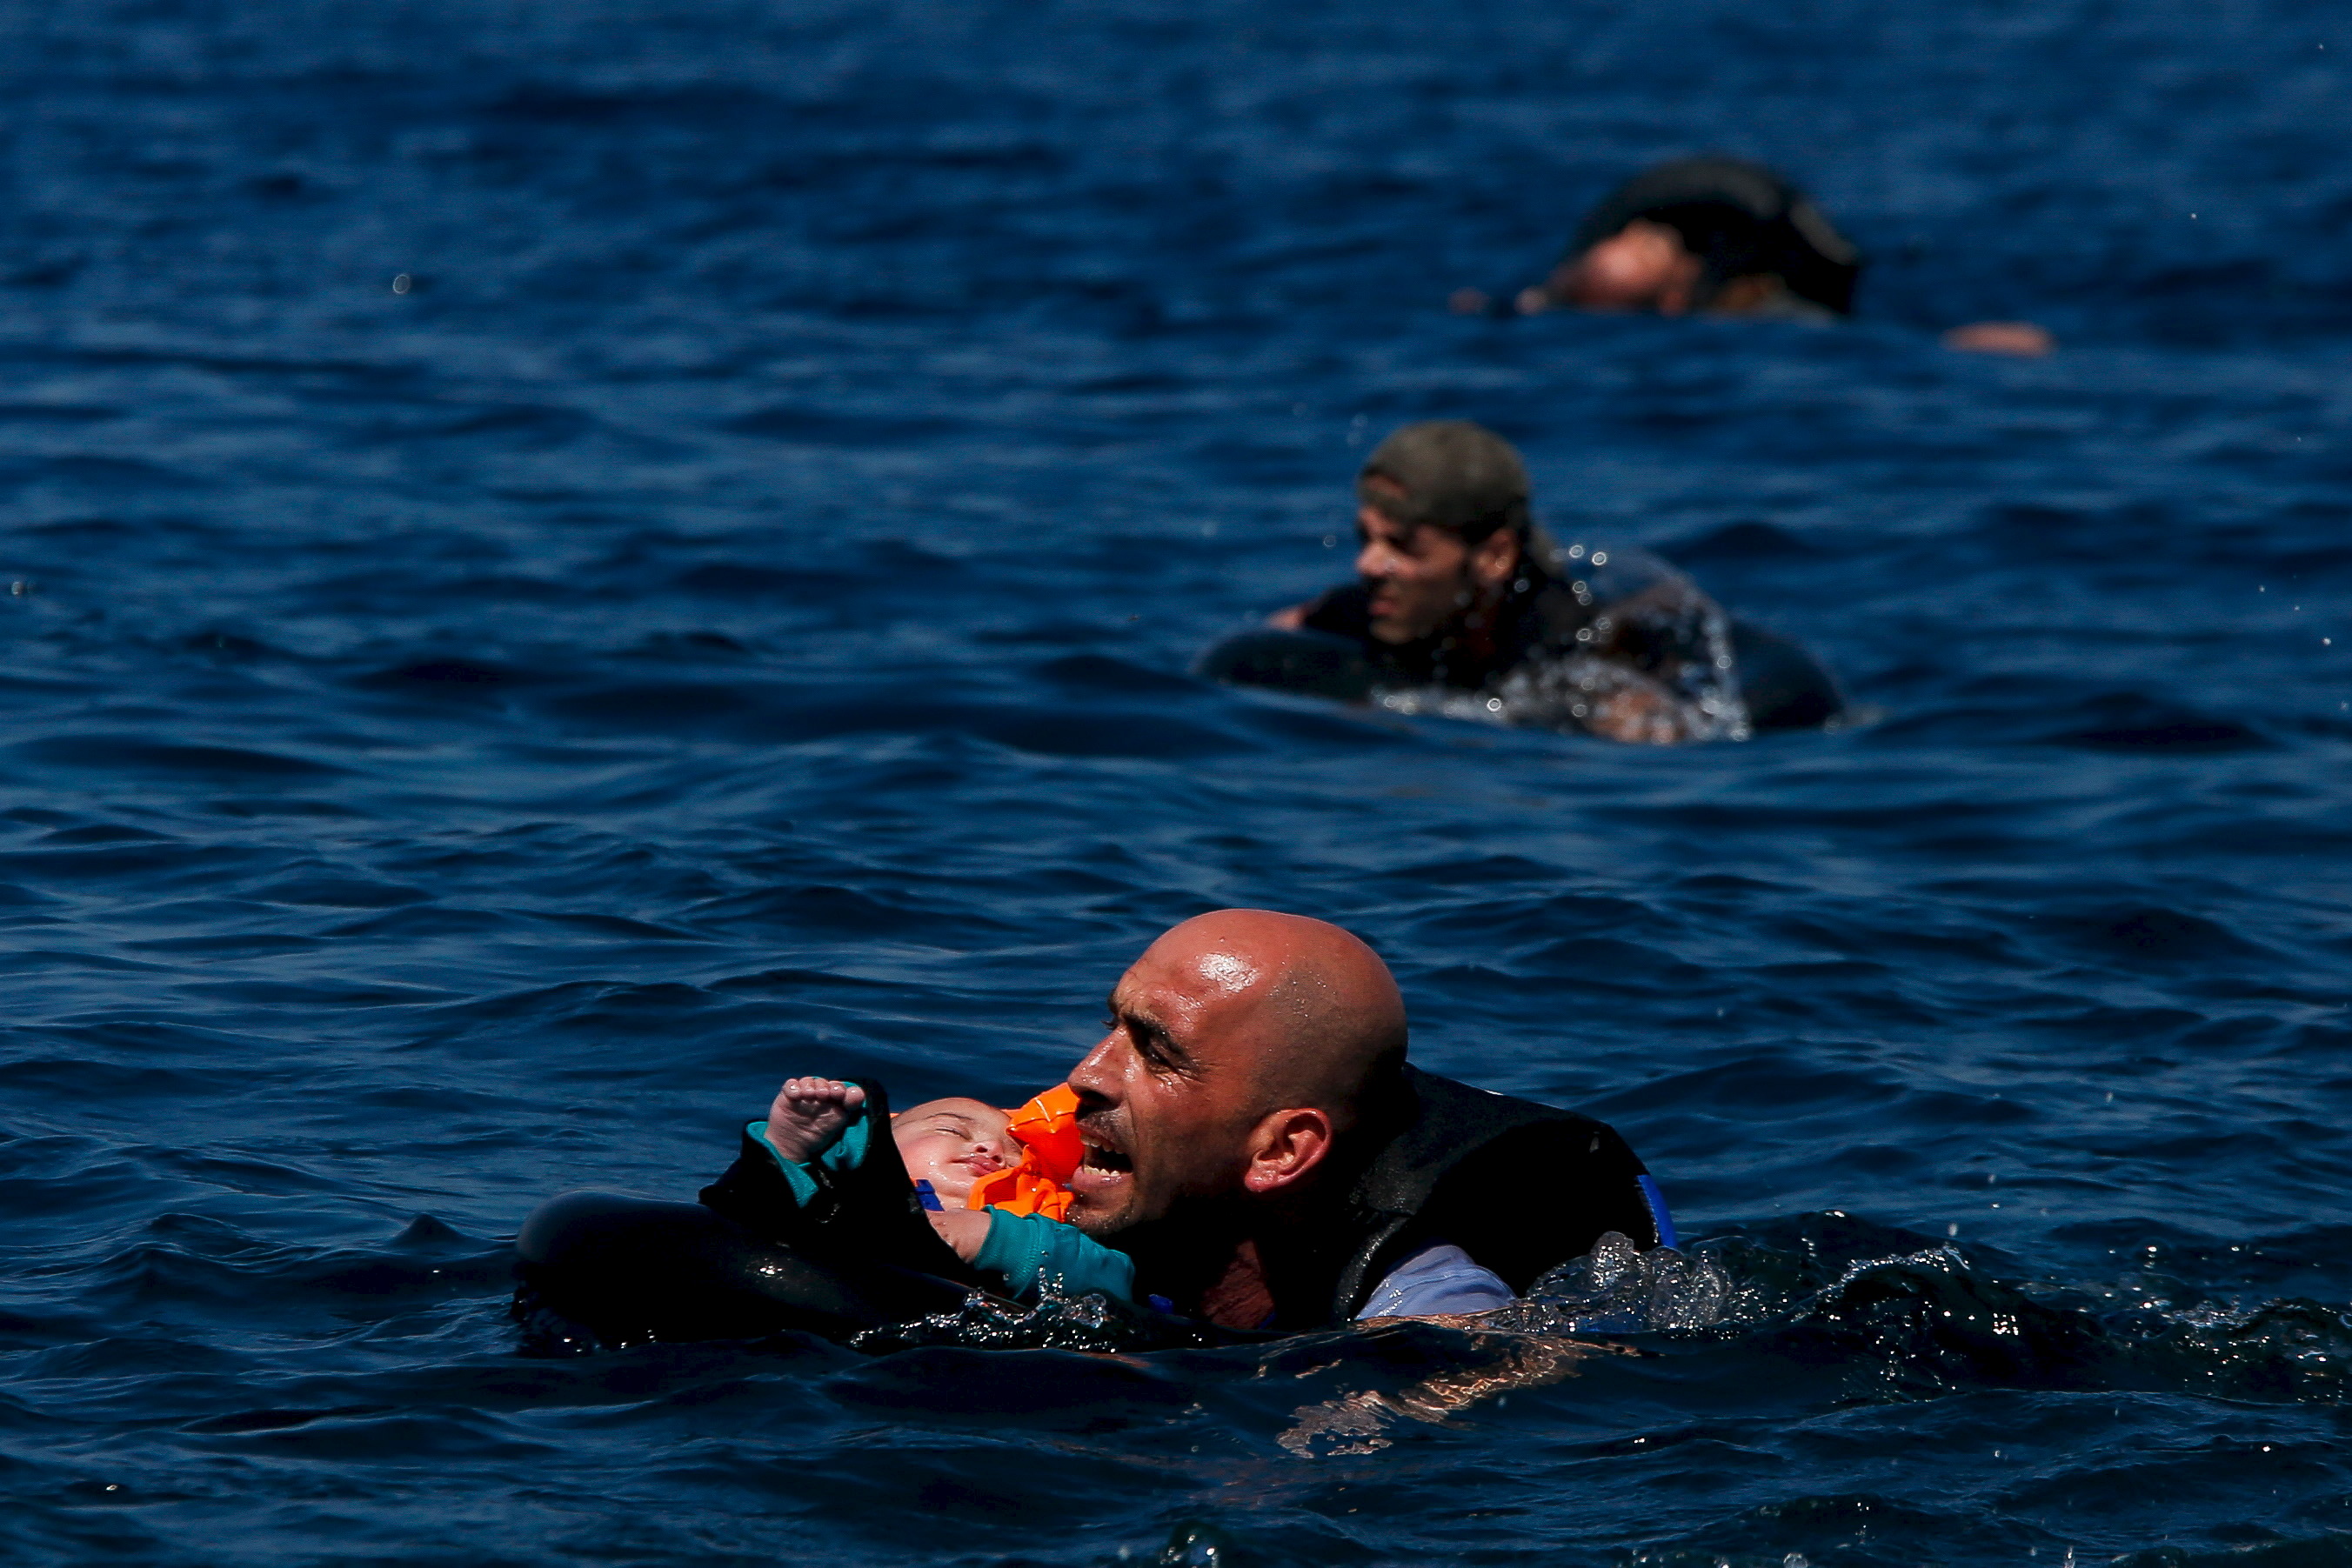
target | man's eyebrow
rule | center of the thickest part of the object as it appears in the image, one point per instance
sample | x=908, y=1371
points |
x=1150, y=1033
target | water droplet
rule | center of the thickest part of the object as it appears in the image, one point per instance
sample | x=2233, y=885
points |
x=1330, y=541
x=402, y=283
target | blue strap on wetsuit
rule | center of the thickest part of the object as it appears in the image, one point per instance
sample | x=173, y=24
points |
x=1658, y=1214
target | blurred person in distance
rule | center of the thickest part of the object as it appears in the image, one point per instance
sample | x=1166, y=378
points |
x=1719, y=236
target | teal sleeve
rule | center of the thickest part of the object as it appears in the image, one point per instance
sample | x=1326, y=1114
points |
x=848, y=1150
x=1031, y=1251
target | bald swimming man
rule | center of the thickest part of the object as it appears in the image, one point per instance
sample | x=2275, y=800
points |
x=1256, y=1140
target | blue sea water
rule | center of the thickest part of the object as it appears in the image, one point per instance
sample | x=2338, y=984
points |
x=727, y=615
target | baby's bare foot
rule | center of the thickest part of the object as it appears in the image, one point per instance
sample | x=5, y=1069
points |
x=809, y=1115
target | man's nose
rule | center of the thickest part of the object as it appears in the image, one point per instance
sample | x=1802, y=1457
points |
x=1373, y=559
x=1093, y=1078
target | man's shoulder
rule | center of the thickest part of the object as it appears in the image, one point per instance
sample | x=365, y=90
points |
x=1548, y=615
x=1446, y=1122
x=1517, y=1186
x=1344, y=611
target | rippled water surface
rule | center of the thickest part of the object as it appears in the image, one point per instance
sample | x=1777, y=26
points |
x=730, y=616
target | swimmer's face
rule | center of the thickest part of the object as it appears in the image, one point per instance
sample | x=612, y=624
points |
x=952, y=1143
x=1642, y=267
x=1421, y=576
x=1168, y=1097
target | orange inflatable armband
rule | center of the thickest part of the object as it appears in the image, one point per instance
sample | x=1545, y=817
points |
x=1048, y=1130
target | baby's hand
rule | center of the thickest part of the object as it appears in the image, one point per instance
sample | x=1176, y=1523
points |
x=809, y=1115
x=962, y=1229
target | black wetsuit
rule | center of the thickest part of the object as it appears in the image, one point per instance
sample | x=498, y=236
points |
x=1535, y=612
x=1742, y=220
x=1521, y=1188
x=1577, y=636
x=1610, y=640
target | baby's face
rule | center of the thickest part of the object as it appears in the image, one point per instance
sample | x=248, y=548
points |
x=952, y=1143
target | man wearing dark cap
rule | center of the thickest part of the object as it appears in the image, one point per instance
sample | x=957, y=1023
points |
x=1724, y=238
x=1704, y=234
x=1462, y=605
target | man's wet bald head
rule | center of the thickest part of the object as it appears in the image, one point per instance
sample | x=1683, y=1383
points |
x=1323, y=1012
x=1238, y=1047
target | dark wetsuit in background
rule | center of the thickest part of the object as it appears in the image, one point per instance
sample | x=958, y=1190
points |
x=1579, y=633
x=1583, y=639
x=1742, y=220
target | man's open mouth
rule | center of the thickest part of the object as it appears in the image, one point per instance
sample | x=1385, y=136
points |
x=1101, y=1159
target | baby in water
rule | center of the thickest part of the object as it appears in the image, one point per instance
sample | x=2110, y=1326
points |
x=949, y=1147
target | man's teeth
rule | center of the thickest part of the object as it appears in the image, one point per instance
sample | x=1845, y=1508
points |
x=1103, y=1159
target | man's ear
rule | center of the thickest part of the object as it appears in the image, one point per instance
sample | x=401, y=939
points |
x=1495, y=558
x=1284, y=1148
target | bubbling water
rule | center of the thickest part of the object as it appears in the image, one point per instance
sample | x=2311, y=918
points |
x=1654, y=665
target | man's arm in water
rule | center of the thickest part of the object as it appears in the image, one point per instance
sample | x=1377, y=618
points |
x=2021, y=340
x=1437, y=1280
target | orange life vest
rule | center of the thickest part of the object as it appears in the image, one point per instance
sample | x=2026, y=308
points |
x=1047, y=1130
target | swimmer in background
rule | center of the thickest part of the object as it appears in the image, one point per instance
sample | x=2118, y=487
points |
x=1721, y=237
x=1463, y=606
x=818, y=1128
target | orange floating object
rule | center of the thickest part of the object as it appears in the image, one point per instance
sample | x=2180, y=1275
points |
x=1048, y=1130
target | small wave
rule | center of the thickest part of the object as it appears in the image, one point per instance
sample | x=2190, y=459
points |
x=1092, y=1321
x=1922, y=1318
